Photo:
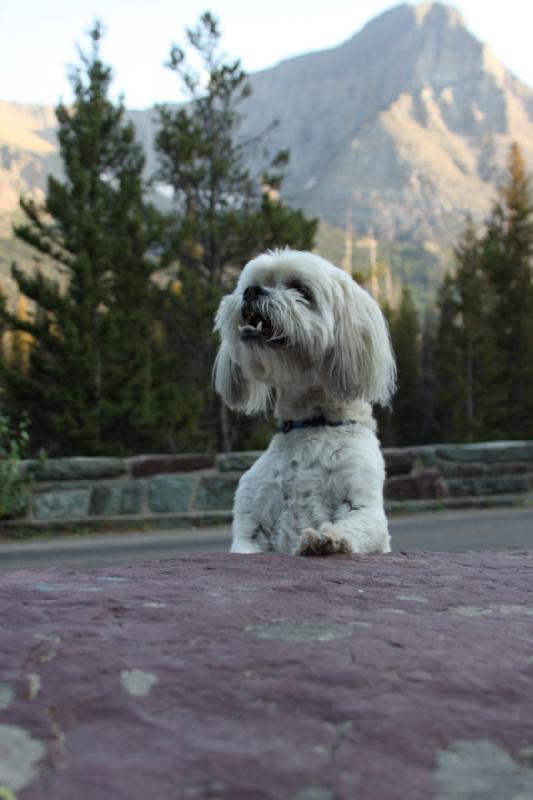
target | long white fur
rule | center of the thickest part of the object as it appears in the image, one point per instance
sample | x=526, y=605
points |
x=315, y=490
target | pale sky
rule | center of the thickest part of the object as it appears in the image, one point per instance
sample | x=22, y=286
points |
x=38, y=38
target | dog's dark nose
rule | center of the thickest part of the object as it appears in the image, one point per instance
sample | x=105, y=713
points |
x=252, y=293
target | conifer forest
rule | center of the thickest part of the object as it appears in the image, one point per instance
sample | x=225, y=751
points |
x=112, y=351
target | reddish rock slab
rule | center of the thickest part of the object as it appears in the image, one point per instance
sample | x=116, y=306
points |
x=144, y=466
x=391, y=677
x=426, y=485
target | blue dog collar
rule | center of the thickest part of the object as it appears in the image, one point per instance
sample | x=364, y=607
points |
x=288, y=425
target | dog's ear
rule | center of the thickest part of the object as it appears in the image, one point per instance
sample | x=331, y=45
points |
x=237, y=390
x=362, y=362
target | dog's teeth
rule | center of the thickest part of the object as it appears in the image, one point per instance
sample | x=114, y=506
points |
x=260, y=325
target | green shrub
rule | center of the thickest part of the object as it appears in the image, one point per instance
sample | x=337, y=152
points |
x=14, y=486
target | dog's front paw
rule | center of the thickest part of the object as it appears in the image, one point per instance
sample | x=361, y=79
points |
x=322, y=543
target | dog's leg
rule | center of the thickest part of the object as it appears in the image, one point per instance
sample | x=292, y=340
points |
x=245, y=545
x=245, y=538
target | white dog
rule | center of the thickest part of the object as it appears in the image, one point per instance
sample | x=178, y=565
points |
x=300, y=334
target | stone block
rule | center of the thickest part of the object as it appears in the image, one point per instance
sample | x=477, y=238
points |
x=398, y=461
x=473, y=469
x=510, y=468
x=487, y=451
x=237, y=462
x=62, y=504
x=170, y=493
x=462, y=469
x=144, y=466
x=426, y=485
x=81, y=468
x=117, y=500
x=216, y=494
x=426, y=456
x=489, y=485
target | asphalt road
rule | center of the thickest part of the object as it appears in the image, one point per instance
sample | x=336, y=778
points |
x=457, y=531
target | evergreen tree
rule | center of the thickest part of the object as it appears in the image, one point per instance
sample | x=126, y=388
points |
x=473, y=297
x=484, y=348
x=89, y=384
x=448, y=359
x=186, y=310
x=507, y=252
x=428, y=432
x=405, y=335
x=462, y=351
x=223, y=216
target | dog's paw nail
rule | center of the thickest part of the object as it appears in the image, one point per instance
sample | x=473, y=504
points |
x=324, y=543
x=309, y=542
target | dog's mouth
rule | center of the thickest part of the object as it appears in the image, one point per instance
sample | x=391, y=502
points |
x=256, y=328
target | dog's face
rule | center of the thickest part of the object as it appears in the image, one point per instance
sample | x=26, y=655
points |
x=295, y=321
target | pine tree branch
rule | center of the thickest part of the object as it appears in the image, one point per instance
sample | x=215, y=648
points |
x=46, y=293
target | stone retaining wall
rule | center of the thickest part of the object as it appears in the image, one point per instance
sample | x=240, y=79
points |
x=198, y=488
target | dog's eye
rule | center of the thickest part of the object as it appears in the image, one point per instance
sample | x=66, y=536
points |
x=302, y=290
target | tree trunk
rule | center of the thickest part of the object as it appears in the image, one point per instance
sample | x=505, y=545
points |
x=225, y=428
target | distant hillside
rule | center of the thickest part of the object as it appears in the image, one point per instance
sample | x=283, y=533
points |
x=28, y=151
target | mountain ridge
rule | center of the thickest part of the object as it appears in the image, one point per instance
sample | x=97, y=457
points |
x=400, y=131
x=413, y=114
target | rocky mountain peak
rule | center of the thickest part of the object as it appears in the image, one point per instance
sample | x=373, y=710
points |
x=408, y=16
x=405, y=128
x=437, y=13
